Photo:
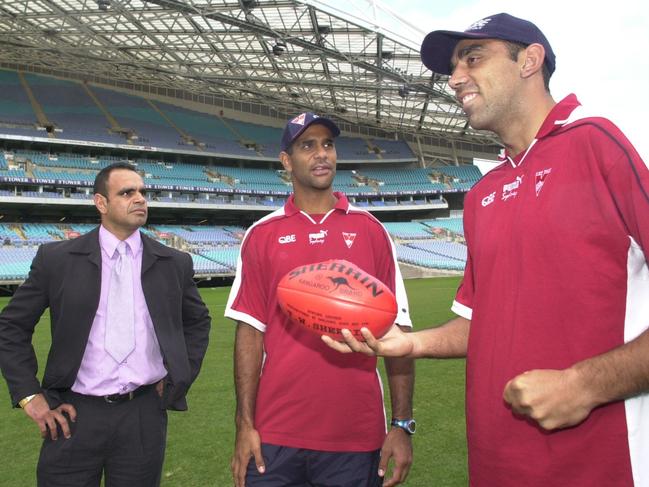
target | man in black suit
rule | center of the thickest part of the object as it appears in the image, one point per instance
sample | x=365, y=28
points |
x=129, y=333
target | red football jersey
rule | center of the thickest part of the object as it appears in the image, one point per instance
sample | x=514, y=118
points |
x=311, y=396
x=556, y=274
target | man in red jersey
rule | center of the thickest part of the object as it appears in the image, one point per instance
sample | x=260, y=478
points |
x=306, y=415
x=554, y=305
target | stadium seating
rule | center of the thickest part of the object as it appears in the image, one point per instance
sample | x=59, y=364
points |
x=205, y=266
x=427, y=259
x=226, y=256
x=393, y=150
x=67, y=105
x=8, y=234
x=133, y=113
x=16, y=114
x=221, y=184
x=37, y=233
x=454, y=225
x=266, y=138
x=208, y=130
x=15, y=262
x=396, y=181
x=407, y=230
x=460, y=178
x=445, y=249
x=215, y=249
x=96, y=114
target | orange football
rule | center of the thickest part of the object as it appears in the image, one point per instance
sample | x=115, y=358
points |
x=326, y=297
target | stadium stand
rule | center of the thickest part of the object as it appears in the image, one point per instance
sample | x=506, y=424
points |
x=266, y=138
x=460, y=178
x=205, y=266
x=190, y=183
x=15, y=262
x=206, y=132
x=454, y=225
x=446, y=249
x=226, y=256
x=427, y=259
x=85, y=112
x=70, y=108
x=16, y=114
x=94, y=114
x=393, y=149
x=215, y=249
x=143, y=124
x=407, y=230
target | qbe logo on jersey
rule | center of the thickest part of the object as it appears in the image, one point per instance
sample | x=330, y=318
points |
x=287, y=239
x=487, y=200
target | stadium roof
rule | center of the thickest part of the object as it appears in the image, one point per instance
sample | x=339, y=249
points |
x=284, y=55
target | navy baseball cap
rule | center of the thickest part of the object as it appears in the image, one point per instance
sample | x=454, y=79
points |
x=297, y=125
x=438, y=46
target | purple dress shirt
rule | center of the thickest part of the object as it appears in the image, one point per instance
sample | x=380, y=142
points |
x=100, y=374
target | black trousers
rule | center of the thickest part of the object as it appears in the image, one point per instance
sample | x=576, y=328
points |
x=123, y=441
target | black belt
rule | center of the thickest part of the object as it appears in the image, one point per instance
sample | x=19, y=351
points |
x=119, y=398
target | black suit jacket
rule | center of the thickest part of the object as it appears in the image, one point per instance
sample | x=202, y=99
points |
x=66, y=277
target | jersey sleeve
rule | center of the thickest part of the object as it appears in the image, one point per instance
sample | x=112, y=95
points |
x=464, y=297
x=463, y=302
x=389, y=273
x=249, y=294
x=628, y=182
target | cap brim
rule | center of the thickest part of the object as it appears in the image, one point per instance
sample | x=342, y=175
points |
x=437, y=48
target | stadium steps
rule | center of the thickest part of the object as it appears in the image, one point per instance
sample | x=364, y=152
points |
x=38, y=110
x=114, y=125
x=29, y=168
x=19, y=231
x=239, y=137
x=184, y=135
x=375, y=149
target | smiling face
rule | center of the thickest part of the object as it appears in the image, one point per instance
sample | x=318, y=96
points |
x=312, y=160
x=123, y=208
x=486, y=81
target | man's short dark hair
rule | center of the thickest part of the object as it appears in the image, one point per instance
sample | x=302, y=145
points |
x=101, y=180
x=515, y=48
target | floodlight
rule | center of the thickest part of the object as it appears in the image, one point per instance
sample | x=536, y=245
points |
x=279, y=48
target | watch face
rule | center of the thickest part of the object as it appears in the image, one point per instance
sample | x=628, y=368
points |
x=408, y=425
x=411, y=426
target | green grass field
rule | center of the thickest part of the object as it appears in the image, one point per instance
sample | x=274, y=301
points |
x=200, y=440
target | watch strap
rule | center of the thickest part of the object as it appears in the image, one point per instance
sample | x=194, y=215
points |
x=26, y=400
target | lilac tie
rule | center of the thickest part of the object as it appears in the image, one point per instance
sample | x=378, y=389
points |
x=120, y=320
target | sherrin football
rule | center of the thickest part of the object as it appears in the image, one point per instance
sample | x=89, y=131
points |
x=326, y=297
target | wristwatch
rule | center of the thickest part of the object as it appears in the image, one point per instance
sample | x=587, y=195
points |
x=408, y=425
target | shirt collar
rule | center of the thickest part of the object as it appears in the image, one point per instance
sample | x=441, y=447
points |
x=108, y=242
x=557, y=117
x=342, y=204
